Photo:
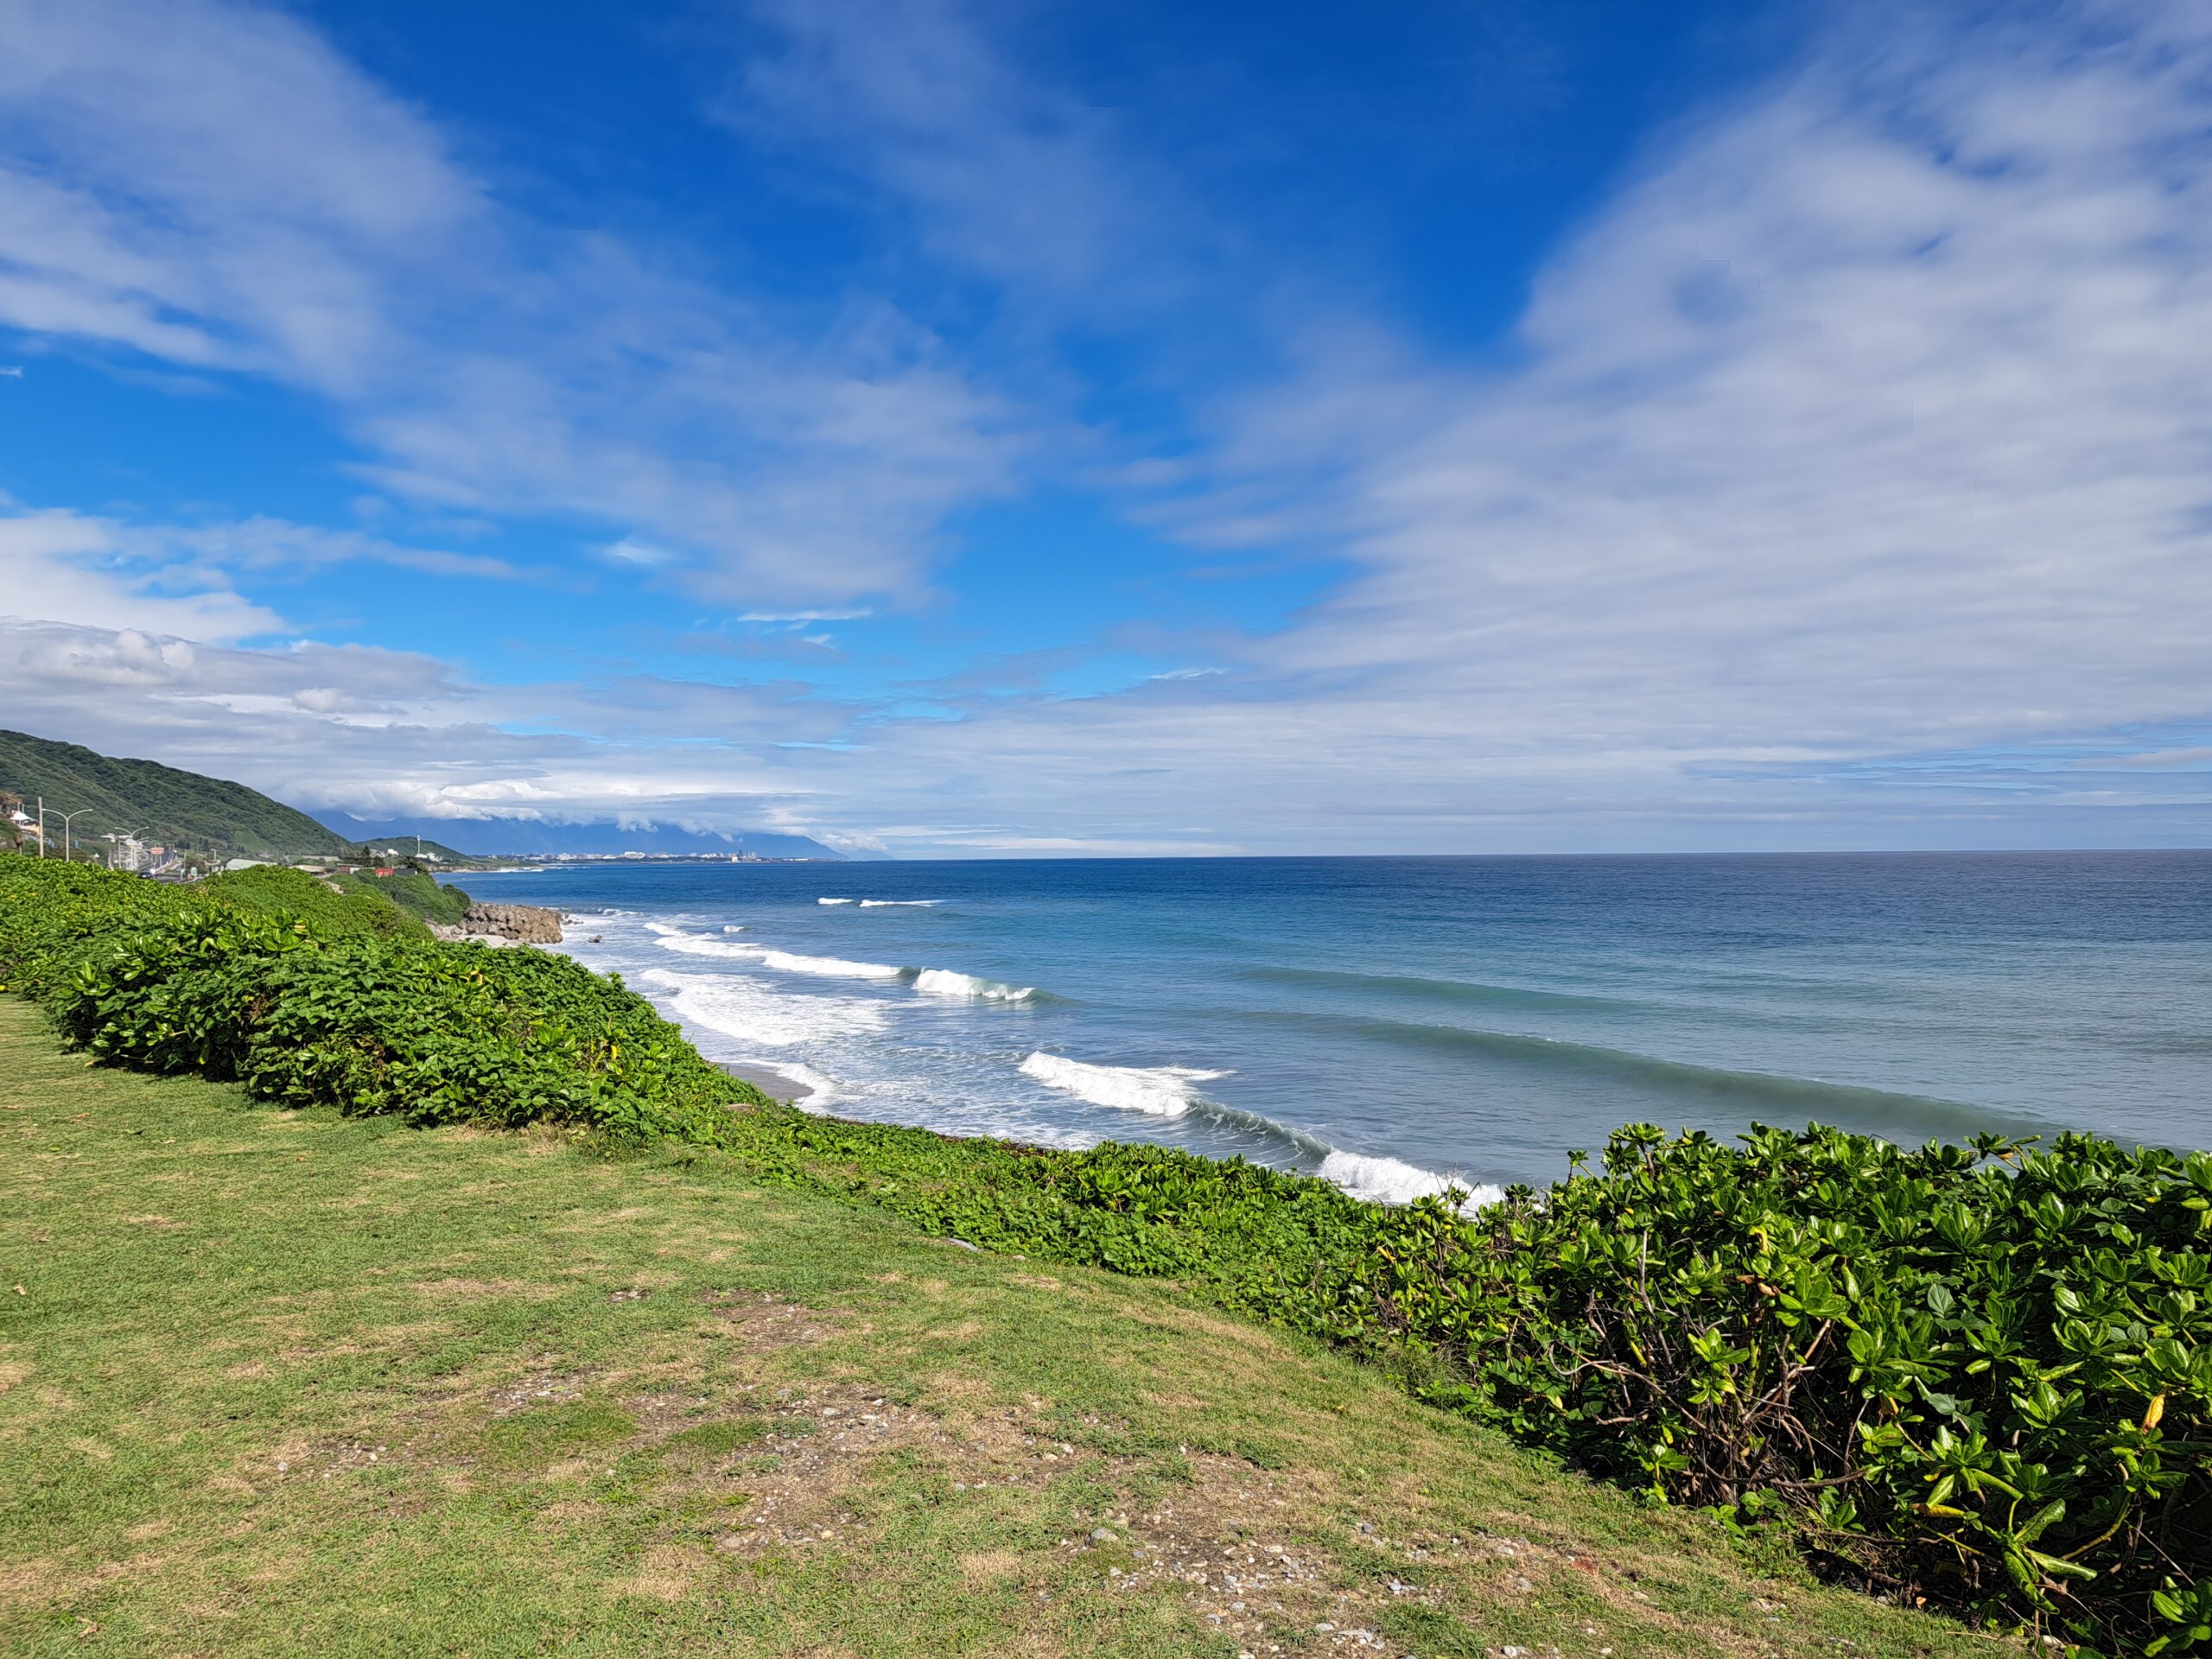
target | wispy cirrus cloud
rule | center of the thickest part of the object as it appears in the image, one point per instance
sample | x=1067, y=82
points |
x=211, y=186
x=1862, y=431
x=990, y=167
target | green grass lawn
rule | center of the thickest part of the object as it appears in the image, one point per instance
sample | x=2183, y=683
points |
x=277, y=1383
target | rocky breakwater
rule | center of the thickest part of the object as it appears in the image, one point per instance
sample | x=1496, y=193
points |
x=507, y=925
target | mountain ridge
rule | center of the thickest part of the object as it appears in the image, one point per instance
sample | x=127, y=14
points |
x=501, y=837
x=108, y=794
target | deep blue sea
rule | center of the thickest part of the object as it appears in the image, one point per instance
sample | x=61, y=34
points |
x=1390, y=1021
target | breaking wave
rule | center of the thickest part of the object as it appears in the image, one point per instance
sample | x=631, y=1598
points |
x=1173, y=1091
x=752, y=1014
x=1392, y=1180
x=889, y=904
x=932, y=981
x=829, y=967
x=696, y=945
x=835, y=901
x=1161, y=1091
x=942, y=981
x=706, y=944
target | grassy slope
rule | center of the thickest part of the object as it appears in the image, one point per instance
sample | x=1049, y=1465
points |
x=288, y=1383
x=161, y=801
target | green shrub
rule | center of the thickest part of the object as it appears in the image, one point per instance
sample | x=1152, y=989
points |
x=276, y=889
x=50, y=912
x=323, y=1008
x=1982, y=1375
x=417, y=894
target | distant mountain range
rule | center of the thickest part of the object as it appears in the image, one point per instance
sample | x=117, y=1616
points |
x=184, y=811
x=496, y=837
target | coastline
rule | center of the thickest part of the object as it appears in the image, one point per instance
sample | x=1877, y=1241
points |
x=776, y=1085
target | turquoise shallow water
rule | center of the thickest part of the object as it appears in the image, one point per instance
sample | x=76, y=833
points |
x=1387, y=1021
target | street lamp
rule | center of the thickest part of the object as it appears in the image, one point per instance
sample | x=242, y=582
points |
x=65, y=817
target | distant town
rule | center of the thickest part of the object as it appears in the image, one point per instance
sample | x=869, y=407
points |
x=32, y=826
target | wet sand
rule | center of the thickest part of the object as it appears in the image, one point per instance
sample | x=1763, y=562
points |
x=769, y=1081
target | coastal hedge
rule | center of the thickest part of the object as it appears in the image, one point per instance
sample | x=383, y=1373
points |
x=276, y=889
x=330, y=1004
x=1977, y=1376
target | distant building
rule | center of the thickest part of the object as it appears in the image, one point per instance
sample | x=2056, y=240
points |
x=245, y=863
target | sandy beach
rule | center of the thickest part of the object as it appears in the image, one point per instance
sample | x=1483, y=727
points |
x=771, y=1083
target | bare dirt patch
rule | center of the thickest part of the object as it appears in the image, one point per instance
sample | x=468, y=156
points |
x=666, y=1573
x=760, y=1323
x=537, y=1389
x=811, y=1450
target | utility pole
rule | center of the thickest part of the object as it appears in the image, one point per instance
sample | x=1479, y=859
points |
x=65, y=817
x=41, y=826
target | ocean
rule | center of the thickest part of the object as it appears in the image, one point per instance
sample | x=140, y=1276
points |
x=1393, y=1024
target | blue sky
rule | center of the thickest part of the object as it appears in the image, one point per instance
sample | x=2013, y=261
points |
x=968, y=429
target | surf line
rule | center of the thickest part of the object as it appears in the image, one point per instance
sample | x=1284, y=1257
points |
x=1175, y=1092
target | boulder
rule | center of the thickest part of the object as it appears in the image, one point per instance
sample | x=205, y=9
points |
x=523, y=924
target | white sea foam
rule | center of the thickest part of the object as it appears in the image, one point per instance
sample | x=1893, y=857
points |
x=732, y=927
x=824, y=1086
x=942, y=981
x=759, y=1016
x=1392, y=1180
x=829, y=967
x=697, y=944
x=890, y=904
x=835, y=901
x=932, y=981
x=1161, y=1091
x=694, y=944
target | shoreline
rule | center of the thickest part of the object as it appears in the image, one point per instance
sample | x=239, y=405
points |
x=776, y=1085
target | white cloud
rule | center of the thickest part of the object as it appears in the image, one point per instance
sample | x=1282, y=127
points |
x=211, y=186
x=1870, y=420
x=264, y=544
x=1006, y=173
x=631, y=551
x=1867, y=423
x=64, y=568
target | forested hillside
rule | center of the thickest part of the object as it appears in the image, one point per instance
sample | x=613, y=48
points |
x=157, y=802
